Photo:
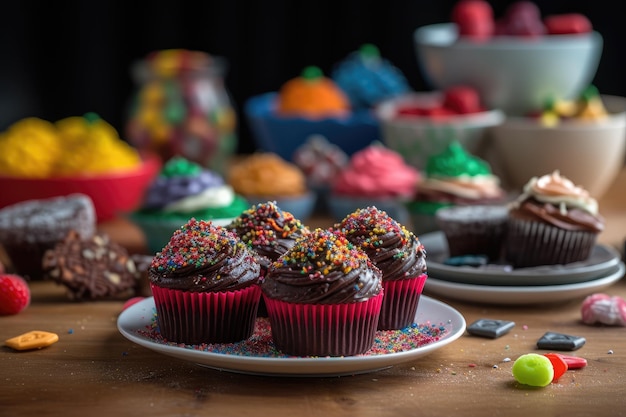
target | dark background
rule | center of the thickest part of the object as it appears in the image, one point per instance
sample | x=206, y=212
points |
x=66, y=58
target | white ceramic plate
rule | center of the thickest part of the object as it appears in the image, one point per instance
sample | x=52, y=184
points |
x=137, y=317
x=602, y=260
x=522, y=295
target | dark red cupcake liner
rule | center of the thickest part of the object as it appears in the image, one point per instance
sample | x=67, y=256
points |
x=324, y=330
x=400, y=302
x=531, y=243
x=206, y=317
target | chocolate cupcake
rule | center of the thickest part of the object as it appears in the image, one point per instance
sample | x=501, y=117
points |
x=205, y=285
x=323, y=297
x=552, y=222
x=474, y=230
x=400, y=256
x=28, y=229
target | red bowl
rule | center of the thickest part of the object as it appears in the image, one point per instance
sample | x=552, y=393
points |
x=112, y=193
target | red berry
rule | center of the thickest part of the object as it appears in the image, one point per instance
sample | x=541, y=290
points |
x=14, y=294
x=462, y=100
x=474, y=19
x=563, y=24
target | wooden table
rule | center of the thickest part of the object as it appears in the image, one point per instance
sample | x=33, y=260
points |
x=94, y=371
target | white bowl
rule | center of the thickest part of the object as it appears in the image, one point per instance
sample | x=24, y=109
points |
x=416, y=138
x=514, y=74
x=591, y=154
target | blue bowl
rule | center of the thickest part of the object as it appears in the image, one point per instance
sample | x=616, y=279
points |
x=283, y=135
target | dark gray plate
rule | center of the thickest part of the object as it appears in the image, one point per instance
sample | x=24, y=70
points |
x=601, y=260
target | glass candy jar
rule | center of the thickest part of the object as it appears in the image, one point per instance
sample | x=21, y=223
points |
x=182, y=108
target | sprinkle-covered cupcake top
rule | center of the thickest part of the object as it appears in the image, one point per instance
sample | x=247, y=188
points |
x=323, y=267
x=268, y=229
x=395, y=250
x=204, y=256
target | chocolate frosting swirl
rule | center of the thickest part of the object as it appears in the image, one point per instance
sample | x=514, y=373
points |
x=201, y=257
x=268, y=230
x=573, y=219
x=323, y=267
x=396, y=251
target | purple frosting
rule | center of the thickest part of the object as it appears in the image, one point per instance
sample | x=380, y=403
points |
x=166, y=190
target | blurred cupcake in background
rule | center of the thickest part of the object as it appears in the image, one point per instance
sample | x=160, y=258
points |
x=321, y=162
x=367, y=78
x=374, y=176
x=308, y=104
x=182, y=190
x=265, y=176
x=453, y=177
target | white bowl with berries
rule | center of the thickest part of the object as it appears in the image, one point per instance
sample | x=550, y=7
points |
x=516, y=61
x=422, y=124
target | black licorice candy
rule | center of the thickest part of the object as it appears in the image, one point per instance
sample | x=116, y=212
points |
x=490, y=328
x=560, y=341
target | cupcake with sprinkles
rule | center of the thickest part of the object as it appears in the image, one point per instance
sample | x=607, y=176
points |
x=323, y=297
x=270, y=232
x=399, y=255
x=205, y=285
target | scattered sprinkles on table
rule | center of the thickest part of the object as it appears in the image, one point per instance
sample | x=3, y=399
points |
x=260, y=344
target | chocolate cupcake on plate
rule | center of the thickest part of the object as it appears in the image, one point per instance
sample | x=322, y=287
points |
x=400, y=256
x=205, y=285
x=323, y=297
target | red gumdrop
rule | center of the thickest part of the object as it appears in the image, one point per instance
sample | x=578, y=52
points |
x=569, y=23
x=523, y=18
x=474, y=19
x=558, y=364
x=573, y=362
x=462, y=100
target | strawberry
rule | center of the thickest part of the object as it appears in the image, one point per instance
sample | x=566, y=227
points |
x=14, y=294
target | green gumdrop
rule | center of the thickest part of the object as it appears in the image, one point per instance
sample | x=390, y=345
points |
x=533, y=369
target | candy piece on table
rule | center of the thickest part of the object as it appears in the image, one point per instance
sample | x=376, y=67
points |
x=604, y=309
x=568, y=23
x=14, y=294
x=573, y=362
x=474, y=19
x=533, y=369
x=490, y=328
x=35, y=339
x=560, y=341
x=559, y=366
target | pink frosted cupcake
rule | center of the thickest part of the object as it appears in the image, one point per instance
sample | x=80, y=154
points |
x=205, y=286
x=398, y=254
x=375, y=176
x=323, y=297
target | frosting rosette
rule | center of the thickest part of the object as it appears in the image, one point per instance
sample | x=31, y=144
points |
x=184, y=188
x=267, y=174
x=456, y=176
x=201, y=256
x=367, y=78
x=268, y=230
x=377, y=172
x=323, y=267
x=554, y=199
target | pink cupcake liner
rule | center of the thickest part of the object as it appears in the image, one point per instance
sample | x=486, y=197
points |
x=531, y=243
x=206, y=317
x=324, y=330
x=400, y=302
